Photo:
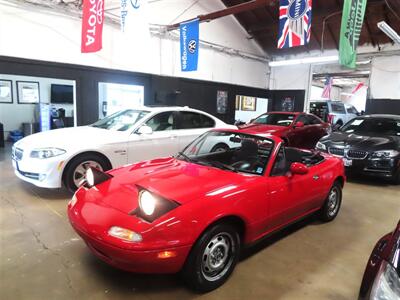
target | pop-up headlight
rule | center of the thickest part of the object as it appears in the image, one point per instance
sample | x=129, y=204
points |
x=95, y=176
x=151, y=206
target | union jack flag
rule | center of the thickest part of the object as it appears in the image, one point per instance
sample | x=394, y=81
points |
x=294, y=23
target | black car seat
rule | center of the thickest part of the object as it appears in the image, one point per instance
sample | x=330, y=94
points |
x=292, y=155
x=246, y=158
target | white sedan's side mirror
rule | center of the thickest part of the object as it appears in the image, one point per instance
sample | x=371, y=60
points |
x=145, y=130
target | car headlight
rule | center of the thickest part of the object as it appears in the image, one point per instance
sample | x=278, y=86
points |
x=124, y=234
x=387, y=283
x=151, y=206
x=94, y=176
x=385, y=154
x=46, y=152
x=320, y=146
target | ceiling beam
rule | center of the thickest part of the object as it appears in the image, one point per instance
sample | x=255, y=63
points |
x=236, y=9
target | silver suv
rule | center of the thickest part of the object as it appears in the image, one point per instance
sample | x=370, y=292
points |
x=333, y=112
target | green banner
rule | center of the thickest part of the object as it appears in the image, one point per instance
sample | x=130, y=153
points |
x=352, y=21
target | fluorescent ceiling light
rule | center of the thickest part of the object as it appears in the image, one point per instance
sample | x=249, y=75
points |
x=307, y=60
x=389, y=31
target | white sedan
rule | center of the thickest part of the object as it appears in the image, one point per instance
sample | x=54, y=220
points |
x=62, y=156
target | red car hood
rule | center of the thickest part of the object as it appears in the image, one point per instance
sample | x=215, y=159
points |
x=265, y=128
x=170, y=178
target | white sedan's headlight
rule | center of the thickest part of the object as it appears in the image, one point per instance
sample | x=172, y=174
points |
x=385, y=154
x=147, y=202
x=46, y=152
x=320, y=146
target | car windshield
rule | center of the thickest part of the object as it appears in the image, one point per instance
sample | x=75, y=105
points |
x=122, y=120
x=275, y=119
x=231, y=151
x=367, y=126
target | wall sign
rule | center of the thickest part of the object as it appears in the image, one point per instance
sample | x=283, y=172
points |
x=6, y=94
x=222, y=102
x=248, y=103
x=28, y=92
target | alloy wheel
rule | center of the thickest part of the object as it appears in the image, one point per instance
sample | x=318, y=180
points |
x=80, y=171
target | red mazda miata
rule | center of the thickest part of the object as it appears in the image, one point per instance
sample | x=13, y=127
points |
x=196, y=211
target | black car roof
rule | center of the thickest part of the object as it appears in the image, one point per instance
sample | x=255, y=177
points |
x=382, y=116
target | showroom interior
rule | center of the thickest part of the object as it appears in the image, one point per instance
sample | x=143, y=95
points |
x=200, y=149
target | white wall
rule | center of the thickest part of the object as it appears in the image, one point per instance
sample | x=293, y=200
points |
x=385, y=77
x=13, y=115
x=46, y=35
x=245, y=116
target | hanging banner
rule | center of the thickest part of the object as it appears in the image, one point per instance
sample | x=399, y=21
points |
x=92, y=25
x=294, y=23
x=350, y=30
x=134, y=18
x=189, y=36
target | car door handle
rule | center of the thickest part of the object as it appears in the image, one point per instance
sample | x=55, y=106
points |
x=315, y=177
x=173, y=136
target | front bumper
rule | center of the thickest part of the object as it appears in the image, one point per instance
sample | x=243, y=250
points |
x=46, y=173
x=386, y=168
x=136, y=261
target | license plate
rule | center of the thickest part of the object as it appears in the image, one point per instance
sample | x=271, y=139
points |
x=347, y=162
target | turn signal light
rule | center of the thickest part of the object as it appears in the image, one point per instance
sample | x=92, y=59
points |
x=166, y=254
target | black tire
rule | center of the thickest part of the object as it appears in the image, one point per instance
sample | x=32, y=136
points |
x=197, y=271
x=68, y=176
x=220, y=147
x=332, y=205
x=396, y=178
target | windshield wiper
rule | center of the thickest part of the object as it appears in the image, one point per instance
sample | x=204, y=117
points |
x=187, y=158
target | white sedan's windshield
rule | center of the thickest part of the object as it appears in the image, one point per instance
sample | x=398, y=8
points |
x=122, y=120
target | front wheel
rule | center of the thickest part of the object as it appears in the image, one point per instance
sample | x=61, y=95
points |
x=213, y=258
x=332, y=203
x=75, y=172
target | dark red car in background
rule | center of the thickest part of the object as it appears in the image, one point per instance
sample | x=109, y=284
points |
x=297, y=129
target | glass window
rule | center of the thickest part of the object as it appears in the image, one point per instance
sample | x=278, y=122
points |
x=338, y=108
x=351, y=110
x=121, y=121
x=275, y=119
x=319, y=109
x=313, y=120
x=240, y=153
x=162, y=121
x=369, y=126
x=190, y=120
x=303, y=119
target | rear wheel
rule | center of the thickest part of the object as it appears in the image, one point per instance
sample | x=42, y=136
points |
x=75, y=171
x=220, y=147
x=213, y=258
x=332, y=203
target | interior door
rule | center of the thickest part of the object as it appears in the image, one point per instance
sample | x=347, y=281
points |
x=162, y=142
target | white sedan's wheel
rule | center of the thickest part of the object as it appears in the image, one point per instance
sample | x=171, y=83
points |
x=80, y=171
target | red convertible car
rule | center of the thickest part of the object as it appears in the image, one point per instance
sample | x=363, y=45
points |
x=296, y=129
x=196, y=211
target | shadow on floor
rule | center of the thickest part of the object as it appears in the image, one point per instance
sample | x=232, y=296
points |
x=48, y=194
x=368, y=180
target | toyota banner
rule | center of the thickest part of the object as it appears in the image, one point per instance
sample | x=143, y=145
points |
x=92, y=25
x=189, y=36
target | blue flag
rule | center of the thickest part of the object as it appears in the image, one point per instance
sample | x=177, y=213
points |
x=189, y=32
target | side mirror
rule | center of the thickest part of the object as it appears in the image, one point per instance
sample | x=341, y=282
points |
x=299, y=124
x=298, y=168
x=145, y=130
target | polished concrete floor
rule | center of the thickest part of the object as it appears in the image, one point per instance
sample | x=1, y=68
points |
x=42, y=258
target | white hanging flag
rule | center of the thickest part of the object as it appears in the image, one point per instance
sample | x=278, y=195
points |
x=134, y=18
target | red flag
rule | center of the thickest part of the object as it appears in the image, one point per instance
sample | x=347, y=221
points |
x=358, y=87
x=92, y=25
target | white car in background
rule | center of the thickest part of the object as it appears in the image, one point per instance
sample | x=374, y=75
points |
x=62, y=156
x=334, y=112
